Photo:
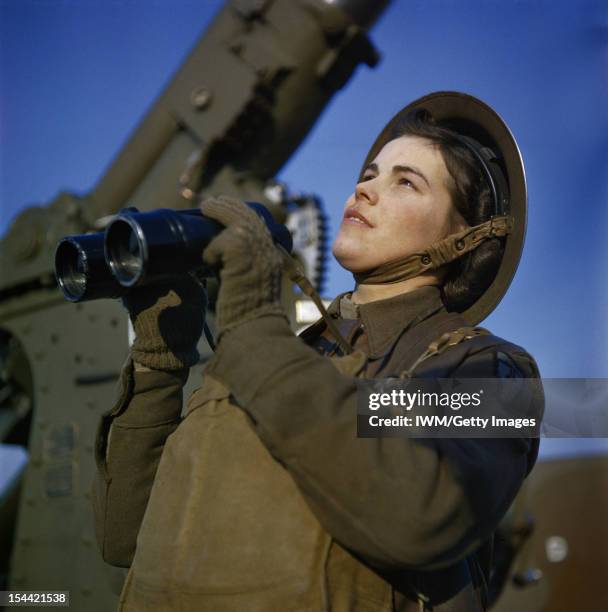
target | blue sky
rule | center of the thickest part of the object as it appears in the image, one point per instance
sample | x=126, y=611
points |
x=77, y=76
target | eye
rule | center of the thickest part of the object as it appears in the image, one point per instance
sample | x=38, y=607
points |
x=407, y=183
x=367, y=177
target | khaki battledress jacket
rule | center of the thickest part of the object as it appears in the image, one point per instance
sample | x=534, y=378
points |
x=261, y=498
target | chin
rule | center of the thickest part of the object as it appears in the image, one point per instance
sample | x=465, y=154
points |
x=350, y=259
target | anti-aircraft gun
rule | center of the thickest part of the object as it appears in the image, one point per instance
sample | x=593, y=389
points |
x=232, y=115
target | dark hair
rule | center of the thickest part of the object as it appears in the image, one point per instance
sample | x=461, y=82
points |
x=469, y=276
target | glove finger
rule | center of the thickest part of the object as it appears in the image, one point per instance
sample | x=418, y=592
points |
x=228, y=211
x=224, y=243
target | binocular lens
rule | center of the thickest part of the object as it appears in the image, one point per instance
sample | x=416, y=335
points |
x=71, y=270
x=125, y=252
x=81, y=269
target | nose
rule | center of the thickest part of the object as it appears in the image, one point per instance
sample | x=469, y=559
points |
x=366, y=193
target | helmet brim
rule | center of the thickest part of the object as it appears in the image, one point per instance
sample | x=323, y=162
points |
x=469, y=116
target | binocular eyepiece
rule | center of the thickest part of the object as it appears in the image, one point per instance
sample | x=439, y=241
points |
x=139, y=249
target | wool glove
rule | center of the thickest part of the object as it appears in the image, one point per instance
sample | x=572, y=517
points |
x=250, y=265
x=168, y=321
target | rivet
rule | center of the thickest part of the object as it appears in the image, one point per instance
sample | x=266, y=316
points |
x=426, y=260
x=556, y=548
x=460, y=244
x=200, y=98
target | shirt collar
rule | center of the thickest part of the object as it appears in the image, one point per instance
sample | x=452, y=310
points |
x=384, y=320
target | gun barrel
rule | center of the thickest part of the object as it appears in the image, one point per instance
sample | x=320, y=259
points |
x=243, y=101
x=363, y=12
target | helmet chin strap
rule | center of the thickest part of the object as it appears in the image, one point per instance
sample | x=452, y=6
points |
x=438, y=254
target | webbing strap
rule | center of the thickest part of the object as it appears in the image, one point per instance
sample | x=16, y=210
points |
x=442, y=343
x=297, y=276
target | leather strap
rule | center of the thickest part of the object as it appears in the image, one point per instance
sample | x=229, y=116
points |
x=438, y=254
x=297, y=276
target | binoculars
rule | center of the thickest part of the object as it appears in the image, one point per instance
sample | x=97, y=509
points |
x=142, y=248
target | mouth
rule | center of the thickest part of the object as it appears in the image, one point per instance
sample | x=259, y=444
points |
x=354, y=217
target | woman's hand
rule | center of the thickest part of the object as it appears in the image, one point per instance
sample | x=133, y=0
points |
x=168, y=322
x=249, y=263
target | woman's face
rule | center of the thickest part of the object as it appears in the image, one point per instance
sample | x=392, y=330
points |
x=401, y=206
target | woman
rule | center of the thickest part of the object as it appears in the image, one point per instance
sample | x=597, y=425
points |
x=264, y=498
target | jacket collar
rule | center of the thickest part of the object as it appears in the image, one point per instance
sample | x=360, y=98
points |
x=385, y=320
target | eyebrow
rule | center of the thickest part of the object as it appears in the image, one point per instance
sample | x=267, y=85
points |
x=374, y=168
